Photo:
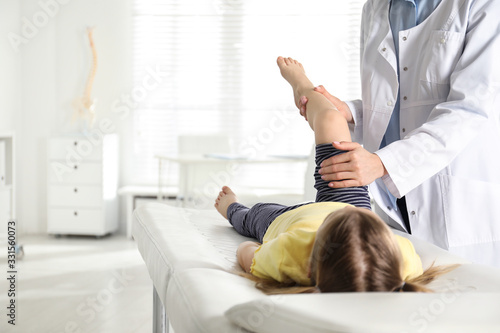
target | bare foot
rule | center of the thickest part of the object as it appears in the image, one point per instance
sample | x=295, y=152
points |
x=294, y=73
x=226, y=197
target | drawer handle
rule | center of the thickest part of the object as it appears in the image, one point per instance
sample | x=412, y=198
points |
x=76, y=190
x=75, y=213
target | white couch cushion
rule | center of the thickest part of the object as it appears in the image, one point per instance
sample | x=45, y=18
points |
x=454, y=311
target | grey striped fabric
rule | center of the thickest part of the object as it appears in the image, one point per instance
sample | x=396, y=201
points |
x=356, y=196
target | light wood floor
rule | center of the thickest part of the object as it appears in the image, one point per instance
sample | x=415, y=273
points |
x=79, y=284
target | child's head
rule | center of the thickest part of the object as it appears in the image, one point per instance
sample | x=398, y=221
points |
x=354, y=250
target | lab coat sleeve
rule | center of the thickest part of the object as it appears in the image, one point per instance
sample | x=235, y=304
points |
x=356, y=106
x=453, y=124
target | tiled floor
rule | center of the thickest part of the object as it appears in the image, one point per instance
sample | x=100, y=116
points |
x=78, y=284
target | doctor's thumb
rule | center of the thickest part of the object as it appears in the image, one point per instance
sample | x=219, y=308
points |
x=345, y=145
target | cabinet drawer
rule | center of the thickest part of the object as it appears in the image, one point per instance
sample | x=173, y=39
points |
x=75, y=221
x=85, y=173
x=75, y=150
x=74, y=196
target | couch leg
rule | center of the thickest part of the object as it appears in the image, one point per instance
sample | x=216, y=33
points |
x=160, y=320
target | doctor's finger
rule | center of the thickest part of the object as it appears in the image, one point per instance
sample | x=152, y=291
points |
x=337, y=176
x=341, y=158
x=321, y=89
x=302, y=106
x=334, y=168
x=344, y=183
x=303, y=102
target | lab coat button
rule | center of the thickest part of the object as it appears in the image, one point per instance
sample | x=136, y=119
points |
x=389, y=103
x=389, y=207
x=405, y=69
x=404, y=130
x=412, y=213
x=383, y=50
x=404, y=38
x=405, y=98
x=443, y=41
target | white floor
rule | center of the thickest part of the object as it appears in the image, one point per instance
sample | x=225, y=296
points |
x=78, y=284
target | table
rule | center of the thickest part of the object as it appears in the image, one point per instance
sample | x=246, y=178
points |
x=189, y=162
x=132, y=192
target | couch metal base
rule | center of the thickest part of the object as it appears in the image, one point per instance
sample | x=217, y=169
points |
x=160, y=320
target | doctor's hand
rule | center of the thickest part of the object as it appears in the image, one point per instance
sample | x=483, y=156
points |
x=357, y=167
x=340, y=105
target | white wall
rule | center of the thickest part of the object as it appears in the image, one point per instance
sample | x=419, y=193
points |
x=10, y=80
x=55, y=65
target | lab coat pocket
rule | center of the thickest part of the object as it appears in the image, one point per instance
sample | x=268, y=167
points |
x=439, y=59
x=464, y=203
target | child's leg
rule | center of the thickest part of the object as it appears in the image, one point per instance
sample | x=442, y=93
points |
x=249, y=222
x=326, y=121
x=328, y=125
x=356, y=196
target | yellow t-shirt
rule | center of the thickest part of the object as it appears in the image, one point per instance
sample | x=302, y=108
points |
x=287, y=245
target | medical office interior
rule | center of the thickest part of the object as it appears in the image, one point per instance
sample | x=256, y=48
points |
x=110, y=105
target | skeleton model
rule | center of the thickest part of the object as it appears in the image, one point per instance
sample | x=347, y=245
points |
x=85, y=105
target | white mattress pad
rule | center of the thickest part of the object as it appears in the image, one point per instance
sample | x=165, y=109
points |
x=190, y=255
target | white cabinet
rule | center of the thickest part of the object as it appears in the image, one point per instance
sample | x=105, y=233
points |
x=3, y=162
x=5, y=209
x=82, y=184
x=7, y=202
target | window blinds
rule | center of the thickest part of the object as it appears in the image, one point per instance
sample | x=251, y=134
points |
x=217, y=74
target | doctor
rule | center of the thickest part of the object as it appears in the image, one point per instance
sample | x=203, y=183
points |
x=429, y=122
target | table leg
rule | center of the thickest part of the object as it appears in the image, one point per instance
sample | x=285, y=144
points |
x=129, y=206
x=184, y=182
x=158, y=197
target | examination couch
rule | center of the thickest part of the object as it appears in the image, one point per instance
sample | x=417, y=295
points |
x=190, y=256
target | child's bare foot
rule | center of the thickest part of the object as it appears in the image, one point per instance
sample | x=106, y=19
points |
x=294, y=73
x=226, y=197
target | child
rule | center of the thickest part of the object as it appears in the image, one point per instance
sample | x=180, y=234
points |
x=335, y=244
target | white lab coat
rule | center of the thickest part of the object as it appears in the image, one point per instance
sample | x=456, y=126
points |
x=448, y=161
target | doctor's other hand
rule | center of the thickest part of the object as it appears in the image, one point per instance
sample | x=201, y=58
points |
x=340, y=105
x=356, y=167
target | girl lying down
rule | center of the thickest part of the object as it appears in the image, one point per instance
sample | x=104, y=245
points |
x=335, y=244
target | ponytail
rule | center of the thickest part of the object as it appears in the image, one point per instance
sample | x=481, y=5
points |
x=418, y=284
